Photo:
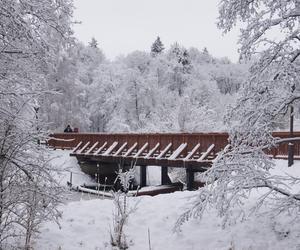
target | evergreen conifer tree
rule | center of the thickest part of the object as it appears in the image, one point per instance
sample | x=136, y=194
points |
x=186, y=62
x=176, y=51
x=93, y=43
x=157, y=47
x=205, y=51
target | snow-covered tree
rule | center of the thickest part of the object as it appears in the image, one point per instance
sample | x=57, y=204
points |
x=32, y=32
x=229, y=77
x=103, y=96
x=157, y=47
x=181, y=66
x=200, y=57
x=73, y=78
x=93, y=43
x=133, y=107
x=274, y=82
x=273, y=85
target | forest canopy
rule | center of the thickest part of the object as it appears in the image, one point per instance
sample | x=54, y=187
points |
x=165, y=89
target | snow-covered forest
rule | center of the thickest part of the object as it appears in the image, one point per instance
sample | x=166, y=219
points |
x=49, y=79
x=162, y=89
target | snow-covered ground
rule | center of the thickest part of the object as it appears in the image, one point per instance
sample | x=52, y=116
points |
x=66, y=165
x=86, y=224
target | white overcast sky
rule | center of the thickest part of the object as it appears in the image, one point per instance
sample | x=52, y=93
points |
x=123, y=26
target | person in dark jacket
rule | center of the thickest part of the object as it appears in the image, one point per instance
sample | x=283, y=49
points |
x=68, y=129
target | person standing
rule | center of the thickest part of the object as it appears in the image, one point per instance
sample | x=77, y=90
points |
x=68, y=129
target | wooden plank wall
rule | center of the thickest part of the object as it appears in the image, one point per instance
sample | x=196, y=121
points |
x=70, y=140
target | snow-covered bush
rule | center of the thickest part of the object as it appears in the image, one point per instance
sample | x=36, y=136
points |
x=122, y=210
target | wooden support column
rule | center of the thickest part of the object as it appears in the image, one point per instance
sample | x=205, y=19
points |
x=164, y=176
x=143, y=176
x=190, y=179
x=291, y=145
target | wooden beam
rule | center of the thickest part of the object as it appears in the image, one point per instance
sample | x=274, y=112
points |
x=218, y=154
x=191, y=154
x=178, y=151
x=226, y=147
x=99, y=149
x=205, y=154
x=120, y=149
x=162, y=153
x=83, y=148
x=141, y=150
x=110, y=149
x=143, y=176
x=76, y=148
x=152, y=151
x=164, y=176
x=190, y=176
x=130, y=150
x=92, y=148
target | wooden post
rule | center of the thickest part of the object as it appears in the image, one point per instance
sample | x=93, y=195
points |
x=71, y=178
x=164, y=176
x=143, y=176
x=189, y=179
x=291, y=145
